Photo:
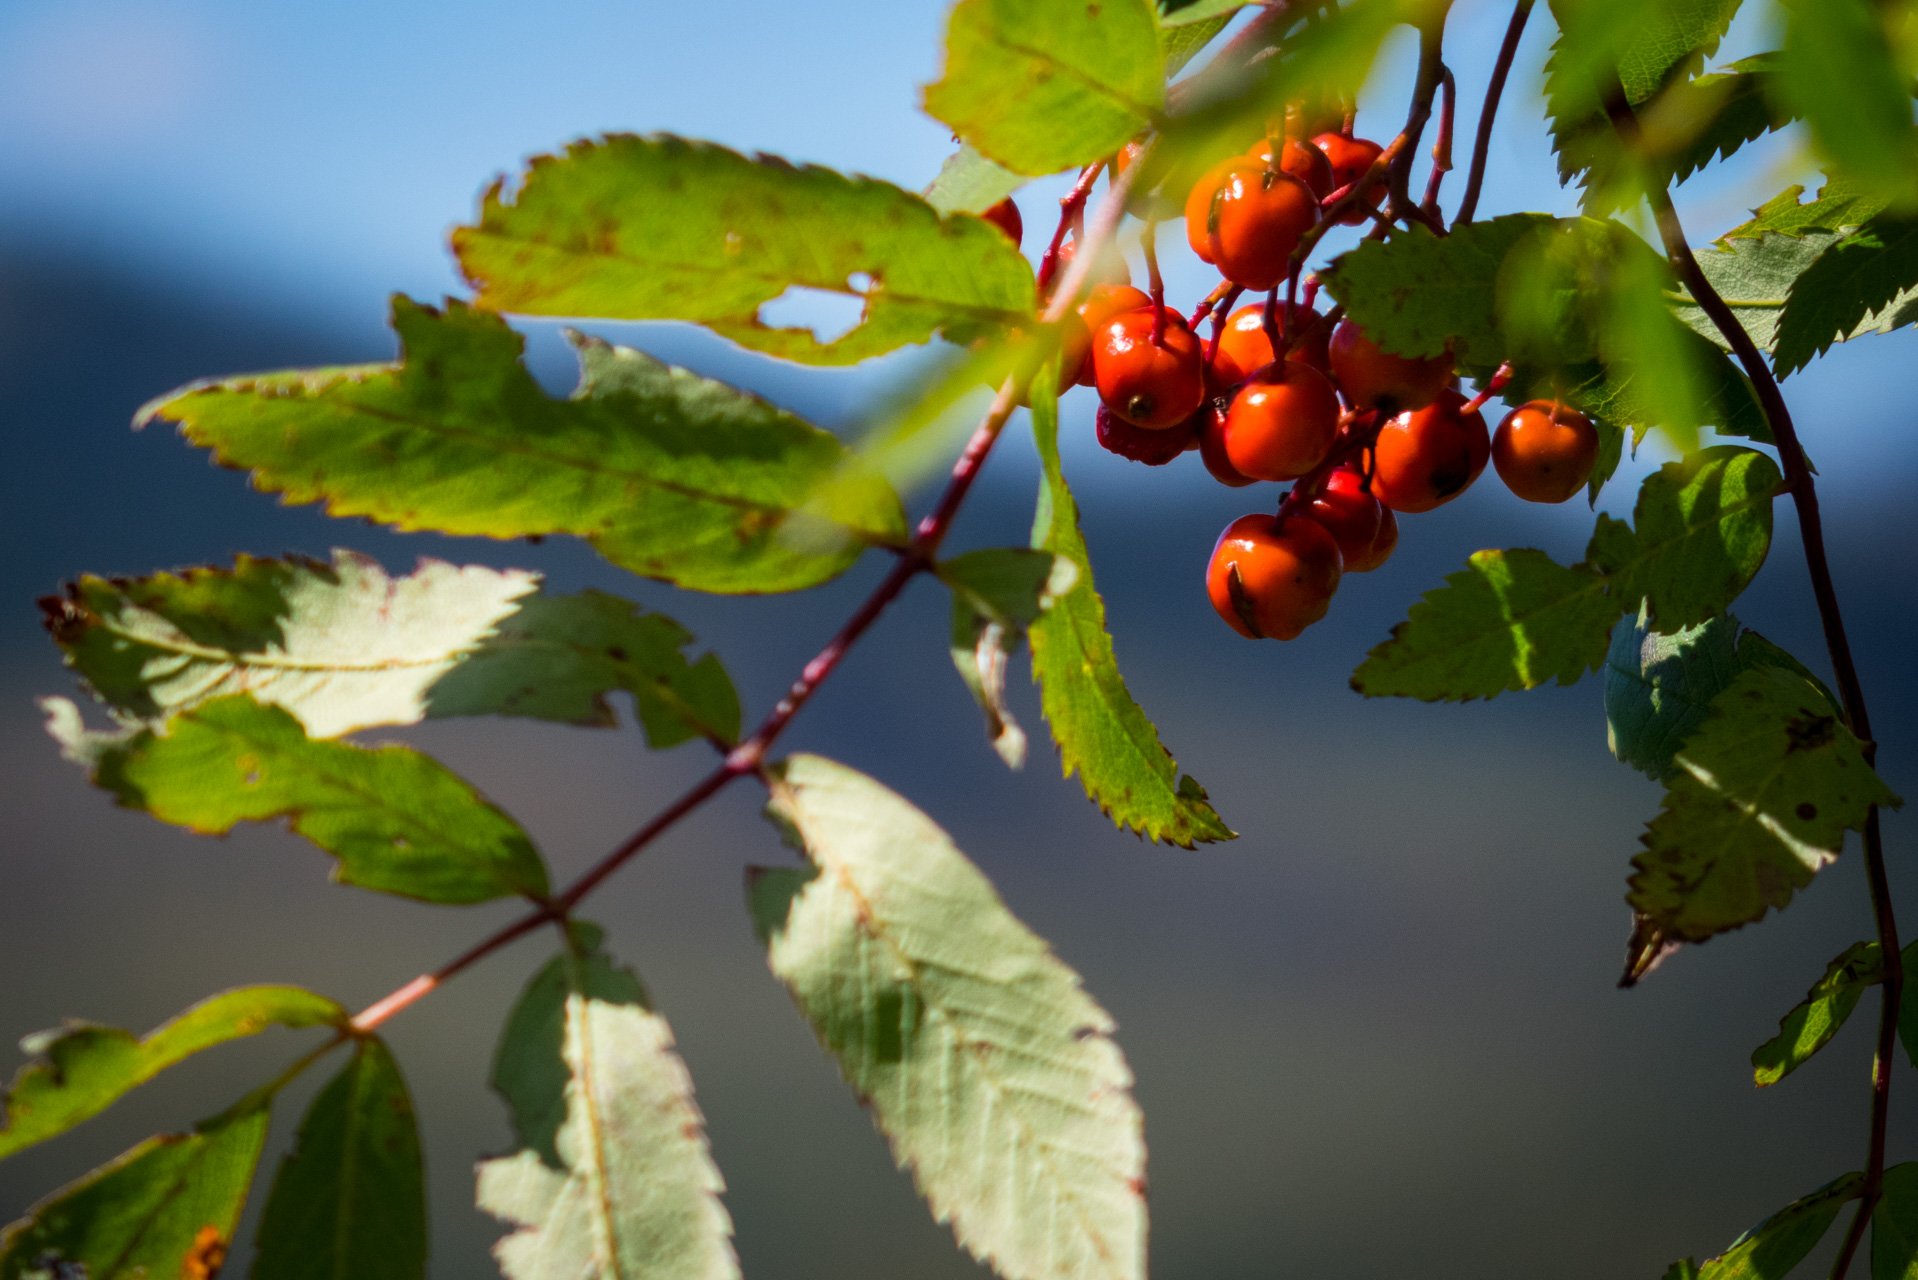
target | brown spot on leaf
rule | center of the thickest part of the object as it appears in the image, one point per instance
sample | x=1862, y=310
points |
x=1807, y=732
x=204, y=1260
x=1807, y=810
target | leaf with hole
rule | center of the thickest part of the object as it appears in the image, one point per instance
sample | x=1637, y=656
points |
x=82, y=1068
x=350, y=1200
x=992, y=1073
x=613, y=1178
x=397, y=820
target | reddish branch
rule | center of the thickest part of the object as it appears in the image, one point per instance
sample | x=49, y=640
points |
x=1494, y=89
x=1804, y=493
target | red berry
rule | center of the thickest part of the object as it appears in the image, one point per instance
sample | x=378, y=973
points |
x=1544, y=451
x=1426, y=458
x=1244, y=348
x=1282, y=422
x=1273, y=578
x=1303, y=160
x=1149, y=385
x=1350, y=158
x=1212, y=415
x=1109, y=269
x=1005, y=216
x=1365, y=528
x=1373, y=378
x=1154, y=448
x=1246, y=220
x=1101, y=305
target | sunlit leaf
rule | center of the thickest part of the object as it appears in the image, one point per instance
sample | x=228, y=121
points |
x=1765, y=790
x=1100, y=730
x=1181, y=38
x=1754, y=276
x=668, y=474
x=82, y=1068
x=984, y=1062
x=398, y=821
x=1509, y=620
x=1811, y=1023
x=662, y=228
x=1865, y=282
x=1700, y=531
x=1894, y=1224
x=1772, y=1248
x=350, y=1200
x=970, y=183
x=1044, y=85
x=1841, y=203
x=166, y=1208
x=996, y=594
x=613, y=1180
x=1837, y=71
x=1185, y=13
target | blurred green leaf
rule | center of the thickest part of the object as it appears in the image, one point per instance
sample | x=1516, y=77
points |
x=669, y=475
x=613, y=1177
x=1181, y=37
x=1894, y=1224
x=661, y=228
x=992, y=1073
x=1865, y=282
x=350, y=1200
x=996, y=594
x=1837, y=72
x=1100, y=730
x=166, y=1208
x=1766, y=789
x=1044, y=85
x=1701, y=529
x=398, y=821
x=1509, y=620
x=1772, y=1248
x=1174, y=14
x=1813, y=1021
x=970, y=183
x=82, y=1068
x=1711, y=117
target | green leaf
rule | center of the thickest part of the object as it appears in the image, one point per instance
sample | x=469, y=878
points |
x=1767, y=788
x=166, y=1208
x=556, y=657
x=667, y=474
x=613, y=1178
x=1659, y=687
x=970, y=183
x=1700, y=532
x=1100, y=730
x=1044, y=85
x=1811, y=1023
x=1710, y=118
x=992, y=1073
x=1185, y=13
x=398, y=821
x=1894, y=1225
x=1754, y=276
x=1841, y=203
x=1772, y=1248
x=662, y=228
x=1683, y=1269
x=1868, y=281
x=350, y=1200
x=1508, y=620
x=1837, y=71
x=82, y=1068
x=996, y=595
x=1181, y=38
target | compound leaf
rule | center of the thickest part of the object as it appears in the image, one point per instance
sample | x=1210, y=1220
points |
x=613, y=1180
x=1508, y=620
x=1894, y=1224
x=1043, y=85
x=996, y=594
x=1771, y=1249
x=1865, y=282
x=984, y=1062
x=970, y=183
x=166, y=1208
x=350, y=1200
x=397, y=820
x=1700, y=531
x=1754, y=275
x=82, y=1068
x=1100, y=730
x=667, y=474
x=1813, y=1021
x=1766, y=789
x=662, y=228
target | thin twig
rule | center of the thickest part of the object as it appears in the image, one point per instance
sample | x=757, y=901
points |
x=1489, y=112
x=1804, y=493
x=1442, y=149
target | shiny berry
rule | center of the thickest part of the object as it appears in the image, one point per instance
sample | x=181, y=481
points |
x=1426, y=458
x=1544, y=451
x=1212, y=415
x=1244, y=348
x=1282, y=422
x=1005, y=216
x=1149, y=385
x=1249, y=219
x=1365, y=528
x=1138, y=444
x=1101, y=305
x=1373, y=378
x=1270, y=578
x=1350, y=158
x=1303, y=160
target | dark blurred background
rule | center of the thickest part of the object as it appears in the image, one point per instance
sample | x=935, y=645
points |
x=1376, y=1036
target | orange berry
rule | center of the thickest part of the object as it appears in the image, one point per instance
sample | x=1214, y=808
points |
x=1373, y=378
x=1427, y=457
x=1273, y=579
x=1282, y=422
x=1244, y=348
x=1303, y=160
x=1544, y=451
x=1365, y=528
x=1150, y=385
x=1349, y=159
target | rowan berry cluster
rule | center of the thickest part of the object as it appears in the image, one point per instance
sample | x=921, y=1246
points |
x=1285, y=392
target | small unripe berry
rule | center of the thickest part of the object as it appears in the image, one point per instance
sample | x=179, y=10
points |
x=1373, y=378
x=1282, y=422
x=1270, y=578
x=1151, y=385
x=1545, y=451
x=1427, y=457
